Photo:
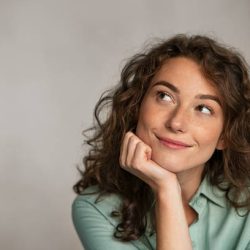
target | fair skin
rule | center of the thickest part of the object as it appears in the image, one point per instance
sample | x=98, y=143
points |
x=179, y=126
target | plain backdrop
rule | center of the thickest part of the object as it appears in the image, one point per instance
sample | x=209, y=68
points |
x=56, y=58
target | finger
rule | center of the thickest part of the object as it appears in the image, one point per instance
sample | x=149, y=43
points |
x=147, y=170
x=142, y=154
x=123, y=150
x=131, y=146
x=144, y=151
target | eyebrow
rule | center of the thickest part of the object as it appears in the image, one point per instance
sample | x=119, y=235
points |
x=176, y=90
x=209, y=97
x=168, y=85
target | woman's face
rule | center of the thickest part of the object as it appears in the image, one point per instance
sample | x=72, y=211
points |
x=180, y=117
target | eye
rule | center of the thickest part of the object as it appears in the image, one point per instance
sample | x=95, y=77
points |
x=205, y=109
x=164, y=96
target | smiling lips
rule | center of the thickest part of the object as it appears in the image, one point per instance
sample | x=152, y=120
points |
x=173, y=144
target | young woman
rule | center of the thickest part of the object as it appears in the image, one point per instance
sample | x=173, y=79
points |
x=169, y=166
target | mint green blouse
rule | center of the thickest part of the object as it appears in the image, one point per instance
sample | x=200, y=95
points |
x=218, y=226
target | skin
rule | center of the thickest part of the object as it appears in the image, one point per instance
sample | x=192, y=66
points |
x=179, y=126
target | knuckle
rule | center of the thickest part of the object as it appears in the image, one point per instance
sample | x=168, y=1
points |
x=127, y=163
x=135, y=163
x=133, y=139
x=128, y=135
x=141, y=144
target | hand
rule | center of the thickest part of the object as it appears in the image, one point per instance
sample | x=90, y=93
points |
x=171, y=225
x=135, y=157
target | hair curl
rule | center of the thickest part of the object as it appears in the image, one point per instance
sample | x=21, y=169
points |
x=227, y=70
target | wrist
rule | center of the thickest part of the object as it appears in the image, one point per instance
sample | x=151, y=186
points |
x=171, y=190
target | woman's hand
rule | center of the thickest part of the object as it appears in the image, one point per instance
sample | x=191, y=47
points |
x=171, y=224
x=135, y=157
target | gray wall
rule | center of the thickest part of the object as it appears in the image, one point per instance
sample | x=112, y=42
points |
x=56, y=57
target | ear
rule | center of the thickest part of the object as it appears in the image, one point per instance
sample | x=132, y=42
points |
x=221, y=144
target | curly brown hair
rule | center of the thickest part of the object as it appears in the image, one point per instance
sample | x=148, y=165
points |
x=227, y=70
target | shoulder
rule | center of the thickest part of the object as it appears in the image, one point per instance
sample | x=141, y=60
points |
x=91, y=214
x=90, y=203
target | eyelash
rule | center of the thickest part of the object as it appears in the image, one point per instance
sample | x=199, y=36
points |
x=161, y=94
x=199, y=108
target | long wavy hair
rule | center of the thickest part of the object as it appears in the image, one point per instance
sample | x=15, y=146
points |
x=117, y=112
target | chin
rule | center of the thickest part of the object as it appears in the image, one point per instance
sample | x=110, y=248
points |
x=172, y=166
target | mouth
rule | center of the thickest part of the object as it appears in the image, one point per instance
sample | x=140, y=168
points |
x=173, y=144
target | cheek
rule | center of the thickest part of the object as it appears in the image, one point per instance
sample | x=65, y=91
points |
x=208, y=137
x=145, y=124
x=142, y=128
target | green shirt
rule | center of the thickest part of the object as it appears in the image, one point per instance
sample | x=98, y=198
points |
x=218, y=226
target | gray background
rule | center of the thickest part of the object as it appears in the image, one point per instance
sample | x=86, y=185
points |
x=56, y=58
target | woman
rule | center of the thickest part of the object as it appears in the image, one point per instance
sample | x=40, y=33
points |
x=169, y=166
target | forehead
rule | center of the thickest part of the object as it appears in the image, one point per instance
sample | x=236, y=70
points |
x=186, y=75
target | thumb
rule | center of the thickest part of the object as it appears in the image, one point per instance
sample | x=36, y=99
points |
x=148, y=153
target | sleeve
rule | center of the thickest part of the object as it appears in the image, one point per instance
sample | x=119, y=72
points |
x=94, y=230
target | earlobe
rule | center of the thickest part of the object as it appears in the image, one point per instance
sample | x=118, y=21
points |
x=221, y=144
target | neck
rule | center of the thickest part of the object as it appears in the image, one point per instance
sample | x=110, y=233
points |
x=190, y=181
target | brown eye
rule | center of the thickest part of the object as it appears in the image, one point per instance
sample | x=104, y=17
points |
x=205, y=109
x=164, y=96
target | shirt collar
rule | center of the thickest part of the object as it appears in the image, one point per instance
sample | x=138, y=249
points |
x=213, y=193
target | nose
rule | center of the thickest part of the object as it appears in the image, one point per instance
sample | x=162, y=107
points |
x=177, y=122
